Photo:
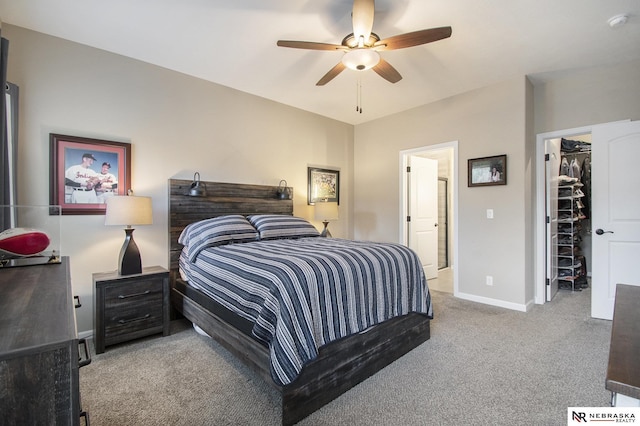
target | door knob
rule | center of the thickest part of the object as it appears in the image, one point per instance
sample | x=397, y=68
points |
x=600, y=232
x=435, y=224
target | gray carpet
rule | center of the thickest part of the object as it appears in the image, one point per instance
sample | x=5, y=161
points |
x=482, y=365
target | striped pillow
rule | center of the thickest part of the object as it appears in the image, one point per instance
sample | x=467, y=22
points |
x=272, y=226
x=216, y=232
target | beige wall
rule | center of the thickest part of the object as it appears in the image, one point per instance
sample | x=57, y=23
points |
x=572, y=99
x=485, y=122
x=503, y=118
x=176, y=124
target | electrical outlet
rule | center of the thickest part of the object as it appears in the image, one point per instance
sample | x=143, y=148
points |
x=489, y=280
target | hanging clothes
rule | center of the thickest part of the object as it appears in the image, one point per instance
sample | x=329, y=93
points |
x=585, y=178
x=574, y=169
x=564, y=166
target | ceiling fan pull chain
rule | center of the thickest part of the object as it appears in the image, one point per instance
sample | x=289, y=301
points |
x=359, y=95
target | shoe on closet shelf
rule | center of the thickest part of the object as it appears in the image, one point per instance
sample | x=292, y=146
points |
x=566, y=180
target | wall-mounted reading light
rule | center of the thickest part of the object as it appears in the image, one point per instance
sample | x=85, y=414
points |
x=283, y=192
x=197, y=189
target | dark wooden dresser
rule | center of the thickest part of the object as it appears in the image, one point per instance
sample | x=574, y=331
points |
x=623, y=369
x=39, y=379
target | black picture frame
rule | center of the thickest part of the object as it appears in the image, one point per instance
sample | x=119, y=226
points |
x=71, y=151
x=487, y=171
x=323, y=185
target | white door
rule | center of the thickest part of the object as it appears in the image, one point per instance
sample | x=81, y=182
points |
x=615, y=212
x=552, y=164
x=423, y=210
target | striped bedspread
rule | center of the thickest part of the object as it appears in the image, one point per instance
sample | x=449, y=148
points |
x=303, y=293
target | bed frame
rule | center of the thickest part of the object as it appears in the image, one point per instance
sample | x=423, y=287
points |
x=340, y=365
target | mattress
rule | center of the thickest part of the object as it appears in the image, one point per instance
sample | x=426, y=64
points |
x=303, y=293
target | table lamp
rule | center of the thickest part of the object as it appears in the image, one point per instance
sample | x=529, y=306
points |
x=326, y=212
x=128, y=210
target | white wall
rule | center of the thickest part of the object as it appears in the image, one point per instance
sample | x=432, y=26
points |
x=176, y=124
x=485, y=122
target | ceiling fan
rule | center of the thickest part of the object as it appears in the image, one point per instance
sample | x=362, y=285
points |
x=362, y=46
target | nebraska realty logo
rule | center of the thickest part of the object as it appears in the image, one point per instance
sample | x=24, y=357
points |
x=582, y=415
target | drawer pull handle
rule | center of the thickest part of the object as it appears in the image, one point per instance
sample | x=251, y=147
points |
x=134, y=319
x=133, y=295
x=87, y=360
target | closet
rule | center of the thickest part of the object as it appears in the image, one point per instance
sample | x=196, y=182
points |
x=574, y=212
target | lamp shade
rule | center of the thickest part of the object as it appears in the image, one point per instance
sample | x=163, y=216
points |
x=326, y=211
x=128, y=211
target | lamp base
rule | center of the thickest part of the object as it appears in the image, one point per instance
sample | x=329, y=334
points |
x=129, y=262
x=325, y=231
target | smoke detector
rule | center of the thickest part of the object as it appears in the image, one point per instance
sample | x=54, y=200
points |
x=618, y=20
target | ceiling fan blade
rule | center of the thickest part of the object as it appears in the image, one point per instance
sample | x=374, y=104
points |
x=386, y=71
x=333, y=72
x=413, y=39
x=362, y=19
x=310, y=45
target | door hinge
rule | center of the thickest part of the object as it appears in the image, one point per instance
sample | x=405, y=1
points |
x=548, y=219
x=548, y=281
x=546, y=157
x=408, y=169
x=408, y=218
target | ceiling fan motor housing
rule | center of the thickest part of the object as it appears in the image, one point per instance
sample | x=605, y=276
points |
x=351, y=41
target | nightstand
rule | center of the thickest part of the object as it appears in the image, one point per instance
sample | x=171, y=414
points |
x=130, y=306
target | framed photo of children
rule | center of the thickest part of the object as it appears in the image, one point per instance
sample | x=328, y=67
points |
x=84, y=172
x=324, y=185
x=488, y=171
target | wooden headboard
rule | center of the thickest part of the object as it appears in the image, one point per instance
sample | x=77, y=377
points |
x=221, y=199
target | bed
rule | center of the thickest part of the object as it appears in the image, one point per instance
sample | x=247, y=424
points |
x=313, y=364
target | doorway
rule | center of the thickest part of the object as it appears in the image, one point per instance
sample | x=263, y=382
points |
x=443, y=221
x=446, y=184
x=615, y=216
x=548, y=152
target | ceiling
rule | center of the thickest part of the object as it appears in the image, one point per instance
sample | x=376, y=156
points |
x=233, y=43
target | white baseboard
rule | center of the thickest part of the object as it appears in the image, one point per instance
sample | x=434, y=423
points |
x=495, y=302
x=85, y=334
x=620, y=400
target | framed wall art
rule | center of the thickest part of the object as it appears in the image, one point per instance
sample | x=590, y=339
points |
x=324, y=184
x=488, y=171
x=84, y=172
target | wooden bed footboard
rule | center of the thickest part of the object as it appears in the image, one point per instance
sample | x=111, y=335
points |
x=340, y=365
x=344, y=363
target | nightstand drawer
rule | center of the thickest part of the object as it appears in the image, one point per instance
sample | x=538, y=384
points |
x=134, y=293
x=132, y=308
x=125, y=324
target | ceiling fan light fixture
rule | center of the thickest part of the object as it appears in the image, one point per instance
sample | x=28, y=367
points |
x=361, y=59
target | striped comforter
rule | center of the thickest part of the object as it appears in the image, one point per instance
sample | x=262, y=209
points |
x=306, y=292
